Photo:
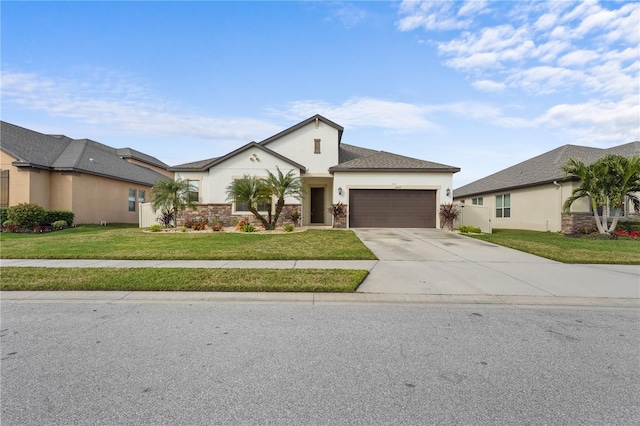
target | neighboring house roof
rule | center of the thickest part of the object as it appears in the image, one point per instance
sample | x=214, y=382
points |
x=544, y=168
x=141, y=156
x=61, y=153
x=357, y=159
x=300, y=125
x=207, y=164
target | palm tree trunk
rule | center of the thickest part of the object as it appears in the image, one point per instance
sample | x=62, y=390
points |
x=261, y=218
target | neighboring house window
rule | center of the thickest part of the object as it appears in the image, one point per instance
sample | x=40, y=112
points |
x=316, y=146
x=476, y=201
x=141, y=195
x=132, y=200
x=194, y=190
x=503, y=205
x=244, y=207
x=4, y=188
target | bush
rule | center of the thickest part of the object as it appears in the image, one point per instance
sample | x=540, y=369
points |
x=3, y=214
x=247, y=227
x=196, y=225
x=217, y=227
x=60, y=224
x=241, y=223
x=26, y=215
x=165, y=218
x=7, y=223
x=470, y=230
x=155, y=228
x=52, y=216
x=288, y=228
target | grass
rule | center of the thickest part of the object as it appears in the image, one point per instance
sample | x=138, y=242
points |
x=555, y=246
x=181, y=279
x=127, y=242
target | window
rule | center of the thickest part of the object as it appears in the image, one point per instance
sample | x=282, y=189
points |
x=194, y=191
x=4, y=188
x=316, y=146
x=476, y=201
x=141, y=195
x=132, y=200
x=244, y=207
x=503, y=205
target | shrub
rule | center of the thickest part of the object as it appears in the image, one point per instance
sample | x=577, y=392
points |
x=448, y=214
x=7, y=223
x=217, y=227
x=247, y=227
x=288, y=228
x=470, y=230
x=52, y=216
x=196, y=225
x=155, y=228
x=26, y=215
x=3, y=214
x=183, y=229
x=165, y=218
x=60, y=224
x=241, y=223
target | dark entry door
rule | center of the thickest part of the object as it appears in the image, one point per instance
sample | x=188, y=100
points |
x=317, y=205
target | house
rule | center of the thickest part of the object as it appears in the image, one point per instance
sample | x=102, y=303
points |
x=96, y=182
x=531, y=195
x=378, y=189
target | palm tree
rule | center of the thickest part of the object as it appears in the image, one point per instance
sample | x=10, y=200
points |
x=252, y=191
x=172, y=196
x=607, y=183
x=281, y=187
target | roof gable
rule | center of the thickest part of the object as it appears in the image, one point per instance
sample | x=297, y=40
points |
x=543, y=168
x=300, y=125
x=212, y=162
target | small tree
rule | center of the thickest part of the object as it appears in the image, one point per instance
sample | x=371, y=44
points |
x=607, y=182
x=448, y=214
x=252, y=191
x=171, y=196
x=282, y=186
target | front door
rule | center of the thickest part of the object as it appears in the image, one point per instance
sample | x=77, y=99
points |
x=317, y=205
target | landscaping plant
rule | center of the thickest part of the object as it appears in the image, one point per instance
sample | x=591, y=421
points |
x=171, y=196
x=448, y=214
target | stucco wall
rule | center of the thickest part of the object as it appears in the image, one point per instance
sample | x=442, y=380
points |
x=97, y=199
x=537, y=208
x=19, y=182
x=214, y=182
x=299, y=147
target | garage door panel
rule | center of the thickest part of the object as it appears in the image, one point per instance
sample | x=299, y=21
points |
x=388, y=208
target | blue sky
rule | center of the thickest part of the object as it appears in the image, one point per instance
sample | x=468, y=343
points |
x=479, y=85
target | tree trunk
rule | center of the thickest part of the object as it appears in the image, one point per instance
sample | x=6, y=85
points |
x=279, y=206
x=258, y=216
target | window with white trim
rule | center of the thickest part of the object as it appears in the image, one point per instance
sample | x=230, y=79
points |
x=477, y=201
x=241, y=207
x=193, y=193
x=132, y=200
x=503, y=205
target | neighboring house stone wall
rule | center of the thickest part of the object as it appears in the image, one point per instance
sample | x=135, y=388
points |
x=221, y=213
x=577, y=222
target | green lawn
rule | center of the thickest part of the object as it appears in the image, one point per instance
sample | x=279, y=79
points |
x=555, y=246
x=181, y=279
x=127, y=242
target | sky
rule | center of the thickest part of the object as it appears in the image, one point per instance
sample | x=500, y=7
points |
x=479, y=85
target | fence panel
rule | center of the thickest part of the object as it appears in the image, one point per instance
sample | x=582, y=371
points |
x=478, y=216
x=146, y=215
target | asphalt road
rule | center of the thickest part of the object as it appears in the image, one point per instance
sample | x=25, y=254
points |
x=216, y=363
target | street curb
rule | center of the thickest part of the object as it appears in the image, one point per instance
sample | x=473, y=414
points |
x=158, y=297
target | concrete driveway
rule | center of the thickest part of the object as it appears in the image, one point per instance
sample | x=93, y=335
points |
x=432, y=261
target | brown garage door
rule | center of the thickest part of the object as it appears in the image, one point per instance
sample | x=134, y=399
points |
x=390, y=208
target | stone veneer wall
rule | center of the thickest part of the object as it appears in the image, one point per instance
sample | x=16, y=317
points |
x=340, y=221
x=577, y=222
x=221, y=213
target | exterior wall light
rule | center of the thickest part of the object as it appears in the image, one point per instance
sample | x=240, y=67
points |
x=340, y=191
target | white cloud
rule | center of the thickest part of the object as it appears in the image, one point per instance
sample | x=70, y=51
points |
x=117, y=103
x=489, y=86
x=347, y=13
x=432, y=15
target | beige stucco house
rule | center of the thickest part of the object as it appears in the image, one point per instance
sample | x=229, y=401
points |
x=96, y=182
x=378, y=189
x=531, y=195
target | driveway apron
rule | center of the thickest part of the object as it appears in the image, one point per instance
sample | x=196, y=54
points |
x=433, y=261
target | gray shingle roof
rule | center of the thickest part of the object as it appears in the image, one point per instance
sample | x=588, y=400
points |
x=544, y=168
x=137, y=155
x=33, y=149
x=356, y=159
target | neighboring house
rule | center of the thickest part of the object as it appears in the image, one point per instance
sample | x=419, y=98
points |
x=378, y=189
x=530, y=195
x=96, y=182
